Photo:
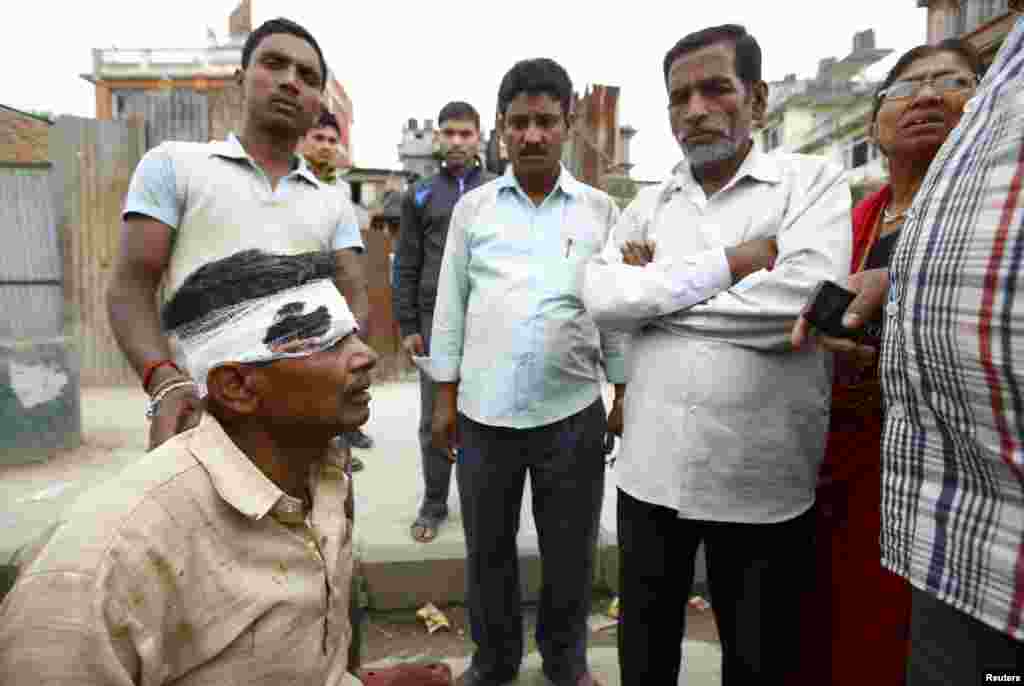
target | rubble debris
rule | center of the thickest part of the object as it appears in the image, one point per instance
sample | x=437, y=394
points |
x=698, y=603
x=433, y=618
x=613, y=609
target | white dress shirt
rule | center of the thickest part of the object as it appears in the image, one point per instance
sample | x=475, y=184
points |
x=723, y=421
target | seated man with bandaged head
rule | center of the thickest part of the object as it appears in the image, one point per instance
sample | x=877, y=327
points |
x=224, y=556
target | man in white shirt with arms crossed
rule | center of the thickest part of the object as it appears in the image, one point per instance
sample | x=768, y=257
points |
x=724, y=424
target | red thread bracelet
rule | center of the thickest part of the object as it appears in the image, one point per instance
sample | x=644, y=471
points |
x=150, y=369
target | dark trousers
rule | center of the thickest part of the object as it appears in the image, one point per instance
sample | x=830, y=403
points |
x=757, y=574
x=565, y=461
x=437, y=468
x=950, y=647
x=357, y=618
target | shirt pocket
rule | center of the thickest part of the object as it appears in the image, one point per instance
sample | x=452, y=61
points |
x=568, y=268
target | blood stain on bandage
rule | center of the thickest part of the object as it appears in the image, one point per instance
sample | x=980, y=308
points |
x=293, y=331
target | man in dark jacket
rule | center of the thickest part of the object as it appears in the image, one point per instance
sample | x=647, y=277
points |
x=426, y=211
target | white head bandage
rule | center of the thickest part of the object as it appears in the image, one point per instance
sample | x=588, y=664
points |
x=293, y=323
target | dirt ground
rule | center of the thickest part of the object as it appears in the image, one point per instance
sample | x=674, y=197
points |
x=400, y=635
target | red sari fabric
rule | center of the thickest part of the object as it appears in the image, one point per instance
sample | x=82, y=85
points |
x=857, y=623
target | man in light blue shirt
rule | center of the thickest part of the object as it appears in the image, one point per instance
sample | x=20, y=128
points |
x=517, y=360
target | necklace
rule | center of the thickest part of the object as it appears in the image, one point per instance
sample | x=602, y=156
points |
x=892, y=217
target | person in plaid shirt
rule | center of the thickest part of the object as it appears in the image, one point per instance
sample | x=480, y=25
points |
x=952, y=455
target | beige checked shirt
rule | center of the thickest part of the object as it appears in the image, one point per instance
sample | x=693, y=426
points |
x=189, y=568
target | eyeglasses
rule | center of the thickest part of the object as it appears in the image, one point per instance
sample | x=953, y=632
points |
x=901, y=90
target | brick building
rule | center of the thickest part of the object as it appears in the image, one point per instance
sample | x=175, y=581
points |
x=23, y=136
x=191, y=93
x=830, y=113
x=597, y=151
x=982, y=23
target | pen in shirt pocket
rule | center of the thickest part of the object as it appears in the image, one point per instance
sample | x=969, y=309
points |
x=568, y=247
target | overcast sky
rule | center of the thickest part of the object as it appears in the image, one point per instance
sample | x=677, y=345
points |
x=400, y=59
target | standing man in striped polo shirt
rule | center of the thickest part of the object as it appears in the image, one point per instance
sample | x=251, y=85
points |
x=952, y=453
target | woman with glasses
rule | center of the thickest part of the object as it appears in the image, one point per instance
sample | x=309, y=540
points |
x=858, y=625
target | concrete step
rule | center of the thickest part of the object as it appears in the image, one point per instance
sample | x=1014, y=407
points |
x=402, y=573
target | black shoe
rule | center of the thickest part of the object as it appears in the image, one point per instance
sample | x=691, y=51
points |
x=357, y=439
x=471, y=677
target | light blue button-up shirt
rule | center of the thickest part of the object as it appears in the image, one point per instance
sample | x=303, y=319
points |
x=509, y=322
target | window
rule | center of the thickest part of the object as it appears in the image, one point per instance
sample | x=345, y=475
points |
x=859, y=153
x=972, y=14
x=954, y=22
x=983, y=11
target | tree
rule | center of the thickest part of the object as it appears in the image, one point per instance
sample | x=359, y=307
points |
x=43, y=114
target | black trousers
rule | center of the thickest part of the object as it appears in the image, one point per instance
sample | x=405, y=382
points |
x=757, y=574
x=950, y=647
x=565, y=461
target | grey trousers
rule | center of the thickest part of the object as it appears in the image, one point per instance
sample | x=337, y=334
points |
x=437, y=468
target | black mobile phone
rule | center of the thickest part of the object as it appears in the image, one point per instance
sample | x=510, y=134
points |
x=826, y=308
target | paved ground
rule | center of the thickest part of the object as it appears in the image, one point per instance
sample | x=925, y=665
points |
x=702, y=660
x=400, y=573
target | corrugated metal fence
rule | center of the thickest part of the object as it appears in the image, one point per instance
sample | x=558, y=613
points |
x=39, y=399
x=31, y=299
x=95, y=160
x=175, y=115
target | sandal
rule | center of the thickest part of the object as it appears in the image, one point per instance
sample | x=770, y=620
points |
x=424, y=529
